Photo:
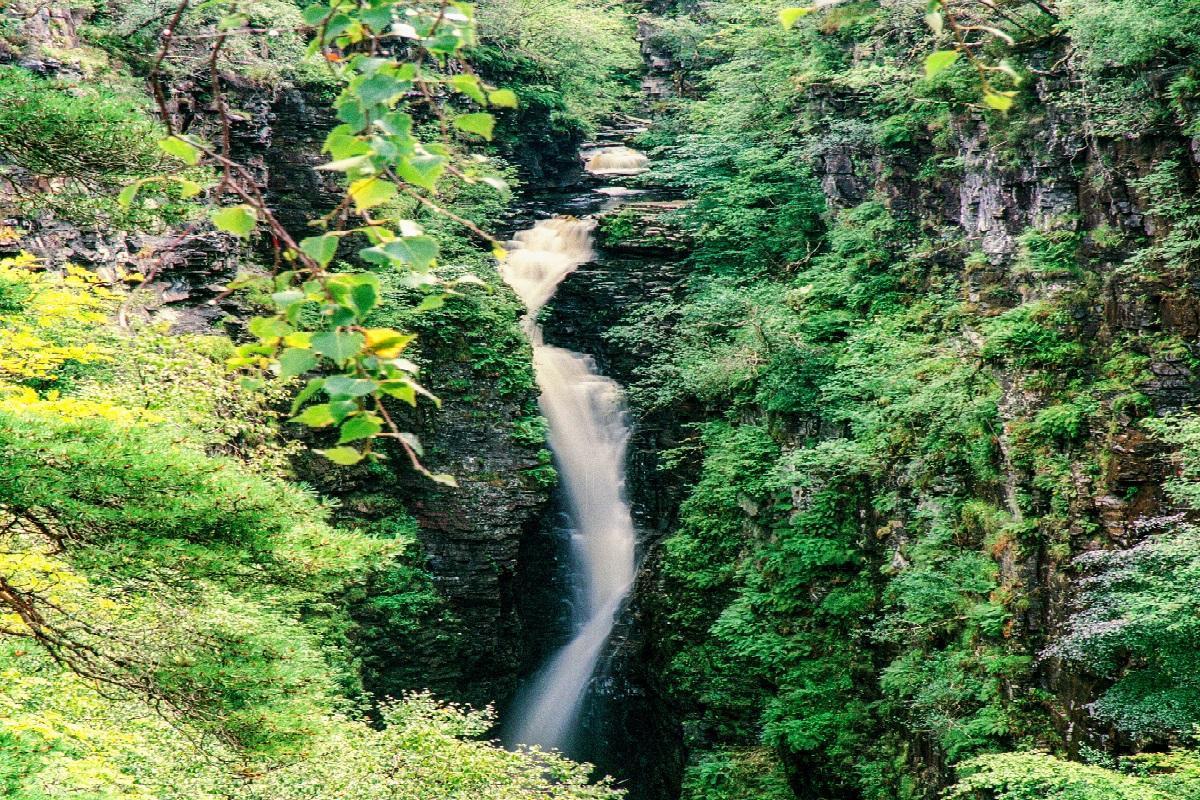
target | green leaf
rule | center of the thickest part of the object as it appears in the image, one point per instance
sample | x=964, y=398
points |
x=345, y=386
x=345, y=456
x=936, y=22
x=431, y=303
x=401, y=390
x=503, y=98
x=321, y=249
x=307, y=393
x=342, y=143
x=315, y=14
x=370, y=192
x=357, y=291
x=398, y=124
x=417, y=252
x=422, y=171
x=481, y=124
x=380, y=19
x=319, y=416
x=443, y=478
x=296, y=361
x=1001, y=101
x=342, y=408
x=939, y=61
x=364, y=298
x=269, y=328
x=338, y=345
x=468, y=85
x=128, y=194
x=188, y=189
x=790, y=16
x=238, y=220
x=381, y=89
x=183, y=150
x=363, y=426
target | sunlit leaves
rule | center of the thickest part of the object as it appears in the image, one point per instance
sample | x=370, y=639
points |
x=370, y=192
x=384, y=163
x=469, y=85
x=363, y=426
x=237, y=220
x=1000, y=101
x=503, y=98
x=182, y=149
x=939, y=61
x=319, y=416
x=345, y=456
x=790, y=16
x=387, y=343
x=943, y=18
x=479, y=124
x=186, y=188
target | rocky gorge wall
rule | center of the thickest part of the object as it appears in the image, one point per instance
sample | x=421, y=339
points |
x=1058, y=239
x=470, y=645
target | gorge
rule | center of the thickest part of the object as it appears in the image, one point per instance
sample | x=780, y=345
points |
x=753, y=401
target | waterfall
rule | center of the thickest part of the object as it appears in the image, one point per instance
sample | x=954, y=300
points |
x=616, y=161
x=588, y=434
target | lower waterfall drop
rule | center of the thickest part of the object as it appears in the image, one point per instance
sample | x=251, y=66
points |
x=588, y=433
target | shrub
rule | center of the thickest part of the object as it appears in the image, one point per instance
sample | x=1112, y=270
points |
x=87, y=133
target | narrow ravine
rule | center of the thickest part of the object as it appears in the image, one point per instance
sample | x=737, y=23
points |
x=588, y=434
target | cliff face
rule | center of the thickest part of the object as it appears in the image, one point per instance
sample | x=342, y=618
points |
x=922, y=341
x=1061, y=175
x=470, y=643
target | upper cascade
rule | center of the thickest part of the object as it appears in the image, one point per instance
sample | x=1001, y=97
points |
x=619, y=160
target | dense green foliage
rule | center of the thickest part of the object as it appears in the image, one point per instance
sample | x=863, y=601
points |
x=181, y=616
x=175, y=613
x=927, y=548
x=903, y=434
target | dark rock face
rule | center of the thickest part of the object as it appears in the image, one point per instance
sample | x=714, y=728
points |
x=41, y=28
x=475, y=536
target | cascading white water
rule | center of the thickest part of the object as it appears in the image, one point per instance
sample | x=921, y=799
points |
x=588, y=434
x=617, y=161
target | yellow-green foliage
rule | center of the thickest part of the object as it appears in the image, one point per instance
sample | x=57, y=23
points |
x=173, y=614
x=1039, y=776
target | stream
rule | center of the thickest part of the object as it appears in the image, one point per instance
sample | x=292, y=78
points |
x=588, y=432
